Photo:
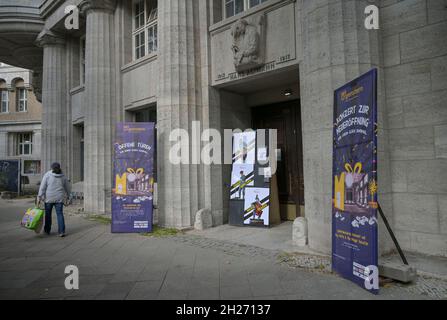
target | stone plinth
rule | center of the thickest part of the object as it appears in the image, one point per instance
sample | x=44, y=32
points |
x=204, y=220
x=299, y=233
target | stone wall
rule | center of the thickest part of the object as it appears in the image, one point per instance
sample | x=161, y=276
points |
x=15, y=122
x=414, y=37
x=337, y=48
x=279, y=29
x=13, y=78
x=141, y=83
x=33, y=113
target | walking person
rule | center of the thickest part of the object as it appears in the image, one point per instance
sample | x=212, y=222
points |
x=54, y=191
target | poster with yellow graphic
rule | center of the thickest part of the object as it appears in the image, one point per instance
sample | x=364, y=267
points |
x=132, y=192
x=354, y=195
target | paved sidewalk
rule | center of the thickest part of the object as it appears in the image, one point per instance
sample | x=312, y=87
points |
x=114, y=266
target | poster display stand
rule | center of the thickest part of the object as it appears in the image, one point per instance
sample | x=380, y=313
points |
x=133, y=173
x=354, y=196
x=275, y=214
x=10, y=177
x=252, y=186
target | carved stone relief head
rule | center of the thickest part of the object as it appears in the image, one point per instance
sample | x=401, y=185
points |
x=248, y=44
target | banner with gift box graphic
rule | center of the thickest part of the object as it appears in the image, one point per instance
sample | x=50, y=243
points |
x=132, y=193
x=354, y=208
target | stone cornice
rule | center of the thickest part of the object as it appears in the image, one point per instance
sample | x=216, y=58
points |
x=50, y=38
x=102, y=5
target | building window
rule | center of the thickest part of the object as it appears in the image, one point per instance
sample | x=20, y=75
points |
x=22, y=105
x=139, y=14
x=82, y=60
x=24, y=144
x=145, y=30
x=31, y=167
x=253, y=3
x=4, y=101
x=233, y=7
x=81, y=146
x=140, y=48
x=152, y=39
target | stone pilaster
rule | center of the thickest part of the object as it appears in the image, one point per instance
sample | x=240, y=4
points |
x=179, y=104
x=54, y=115
x=337, y=49
x=212, y=192
x=100, y=103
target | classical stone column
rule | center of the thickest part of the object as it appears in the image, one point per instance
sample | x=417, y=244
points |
x=54, y=89
x=100, y=103
x=178, y=104
x=337, y=49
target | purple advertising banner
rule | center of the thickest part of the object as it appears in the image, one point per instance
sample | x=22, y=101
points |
x=133, y=178
x=354, y=205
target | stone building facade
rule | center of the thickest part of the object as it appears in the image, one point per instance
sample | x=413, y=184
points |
x=243, y=64
x=20, y=123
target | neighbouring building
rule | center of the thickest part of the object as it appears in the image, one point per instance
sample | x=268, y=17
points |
x=243, y=64
x=20, y=124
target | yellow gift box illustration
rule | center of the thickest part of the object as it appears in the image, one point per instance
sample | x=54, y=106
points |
x=339, y=192
x=121, y=185
x=340, y=184
x=128, y=181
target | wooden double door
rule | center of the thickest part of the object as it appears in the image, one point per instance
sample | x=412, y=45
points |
x=286, y=119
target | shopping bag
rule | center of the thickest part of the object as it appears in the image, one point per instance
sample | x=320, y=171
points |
x=39, y=225
x=33, y=219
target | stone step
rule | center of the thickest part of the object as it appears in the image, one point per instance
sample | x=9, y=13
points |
x=397, y=271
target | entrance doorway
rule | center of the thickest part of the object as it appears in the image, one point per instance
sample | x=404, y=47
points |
x=286, y=119
x=147, y=114
x=77, y=173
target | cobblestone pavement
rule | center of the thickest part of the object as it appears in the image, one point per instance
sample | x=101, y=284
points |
x=227, y=247
x=427, y=286
x=424, y=286
x=120, y=266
